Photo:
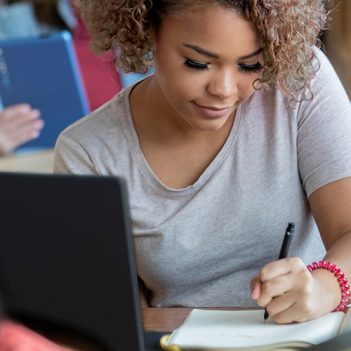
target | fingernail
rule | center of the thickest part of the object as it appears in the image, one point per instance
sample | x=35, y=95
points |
x=24, y=108
x=35, y=134
x=39, y=124
x=36, y=113
x=255, y=294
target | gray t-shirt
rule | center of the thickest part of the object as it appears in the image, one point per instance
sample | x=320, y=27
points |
x=201, y=245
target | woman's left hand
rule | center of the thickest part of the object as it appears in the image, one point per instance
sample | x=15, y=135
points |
x=289, y=292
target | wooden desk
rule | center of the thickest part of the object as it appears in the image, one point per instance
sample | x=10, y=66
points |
x=37, y=162
x=163, y=319
x=168, y=319
x=154, y=319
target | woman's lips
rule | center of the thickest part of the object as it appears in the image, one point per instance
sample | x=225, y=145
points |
x=212, y=111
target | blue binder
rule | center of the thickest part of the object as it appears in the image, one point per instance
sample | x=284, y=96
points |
x=44, y=72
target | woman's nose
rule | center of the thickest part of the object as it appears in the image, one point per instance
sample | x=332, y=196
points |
x=223, y=85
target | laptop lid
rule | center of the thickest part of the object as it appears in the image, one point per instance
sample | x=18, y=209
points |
x=67, y=257
x=44, y=72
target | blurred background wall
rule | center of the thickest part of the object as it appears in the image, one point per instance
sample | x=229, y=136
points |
x=338, y=41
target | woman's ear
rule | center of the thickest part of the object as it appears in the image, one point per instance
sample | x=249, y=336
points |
x=153, y=36
x=152, y=32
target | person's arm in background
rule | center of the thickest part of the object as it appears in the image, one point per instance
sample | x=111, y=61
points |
x=16, y=337
x=18, y=124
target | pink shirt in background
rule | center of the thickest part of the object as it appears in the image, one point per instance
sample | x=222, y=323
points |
x=99, y=74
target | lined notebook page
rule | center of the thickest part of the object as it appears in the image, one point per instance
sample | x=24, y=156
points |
x=228, y=329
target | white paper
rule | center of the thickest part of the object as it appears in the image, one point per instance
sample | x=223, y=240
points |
x=228, y=329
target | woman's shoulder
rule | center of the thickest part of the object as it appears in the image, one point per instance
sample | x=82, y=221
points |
x=97, y=141
x=323, y=66
x=324, y=84
x=326, y=89
x=326, y=80
x=111, y=115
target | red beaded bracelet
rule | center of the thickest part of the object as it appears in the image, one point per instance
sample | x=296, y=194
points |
x=340, y=276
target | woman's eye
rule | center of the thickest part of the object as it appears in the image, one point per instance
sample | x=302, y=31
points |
x=254, y=68
x=196, y=65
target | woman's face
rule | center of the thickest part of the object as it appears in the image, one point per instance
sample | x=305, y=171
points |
x=206, y=61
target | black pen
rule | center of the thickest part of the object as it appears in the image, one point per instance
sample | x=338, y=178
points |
x=284, y=250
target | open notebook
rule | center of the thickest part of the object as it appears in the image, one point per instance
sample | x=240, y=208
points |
x=246, y=330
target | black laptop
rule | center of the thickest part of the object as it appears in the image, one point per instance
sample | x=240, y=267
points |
x=67, y=258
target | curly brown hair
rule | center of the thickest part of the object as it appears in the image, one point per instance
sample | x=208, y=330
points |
x=289, y=30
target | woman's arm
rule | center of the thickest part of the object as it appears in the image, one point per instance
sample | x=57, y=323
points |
x=331, y=208
x=286, y=288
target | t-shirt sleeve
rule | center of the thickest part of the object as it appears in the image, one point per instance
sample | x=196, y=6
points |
x=324, y=131
x=71, y=157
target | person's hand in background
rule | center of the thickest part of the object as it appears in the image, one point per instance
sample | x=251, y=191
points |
x=18, y=124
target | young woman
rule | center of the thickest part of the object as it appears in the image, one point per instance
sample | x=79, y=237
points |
x=243, y=128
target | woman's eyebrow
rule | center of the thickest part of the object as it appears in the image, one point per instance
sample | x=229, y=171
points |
x=202, y=51
x=210, y=54
x=255, y=53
